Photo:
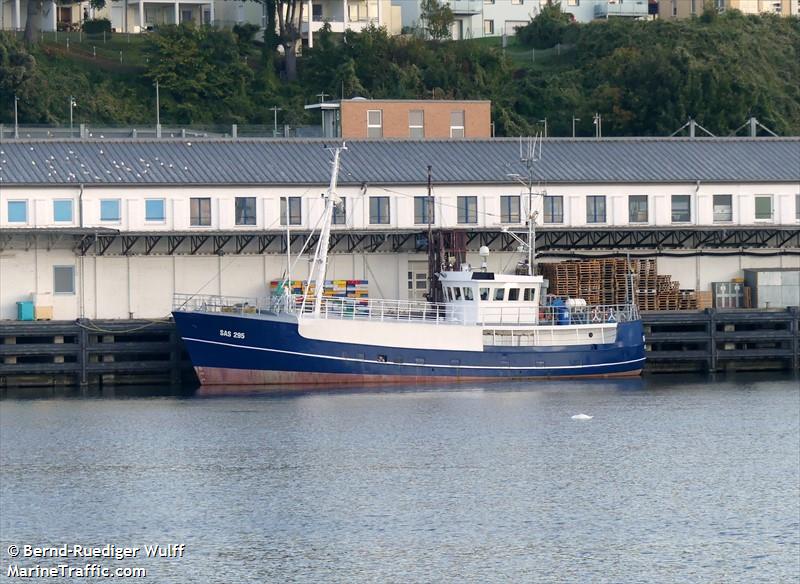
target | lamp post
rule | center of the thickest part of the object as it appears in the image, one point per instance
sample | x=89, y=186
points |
x=72, y=104
x=275, y=109
x=574, y=119
x=16, y=118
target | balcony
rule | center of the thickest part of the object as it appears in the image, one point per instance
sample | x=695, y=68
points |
x=623, y=9
x=462, y=7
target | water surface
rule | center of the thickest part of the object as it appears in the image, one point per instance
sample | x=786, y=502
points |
x=675, y=479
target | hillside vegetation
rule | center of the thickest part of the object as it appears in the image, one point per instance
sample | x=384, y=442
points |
x=644, y=78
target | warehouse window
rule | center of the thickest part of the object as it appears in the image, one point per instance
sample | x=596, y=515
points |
x=468, y=209
x=763, y=207
x=154, y=210
x=63, y=279
x=62, y=210
x=18, y=211
x=245, y=210
x=723, y=208
x=424, y=210
x=110, y=210
x=375, y=123
x=340, y=212
x=291, y=211
x=416, y=124
x=457, y=124
x=379, y=210
x=596, y=209
x=509, y=209
x=200, y=211
x=681, y=209
x=637, y=209
x=797, y=207
x=553, y=209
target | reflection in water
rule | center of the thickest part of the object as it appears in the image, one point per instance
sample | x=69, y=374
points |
x=674, y=479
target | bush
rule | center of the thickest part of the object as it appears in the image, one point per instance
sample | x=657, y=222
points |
x=550, y=27
x=97, y=26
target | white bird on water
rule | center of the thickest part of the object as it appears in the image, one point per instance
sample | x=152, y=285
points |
x=582, y=417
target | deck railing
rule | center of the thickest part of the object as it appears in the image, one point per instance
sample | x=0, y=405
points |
x=409, y=310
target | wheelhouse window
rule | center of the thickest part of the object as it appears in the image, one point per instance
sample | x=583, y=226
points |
x=416, y=124
x=468, y=295
x=467, y=209
x=553, y=208
x=499, y=294
x=637, y=209
x=154, y=210
x=424, y=210
x=291, y=211
x=379, y=210
x=375, y=124
x=110, y=210
x=681, y=209
x=484, y=292
x=513, y=294
x=62, y=210
x=245, y=210
x=200, y=211
x=457, y=124
x=763, y=207
x=509, y=209
x=596, y=209
x=723, y=208
x=529, y=295
x=340, y=212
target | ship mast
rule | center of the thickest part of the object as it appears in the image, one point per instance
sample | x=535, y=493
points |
x=320, y=262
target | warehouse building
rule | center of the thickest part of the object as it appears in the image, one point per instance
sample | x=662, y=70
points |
x=111, y=229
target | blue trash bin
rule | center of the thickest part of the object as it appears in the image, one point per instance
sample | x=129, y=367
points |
x=25, y=310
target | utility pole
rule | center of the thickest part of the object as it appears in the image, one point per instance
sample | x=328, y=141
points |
x=72, y=104
x=598, y=125
x=16, y=118
x=574, y=119
x=275, y=109
x=322, y=96
x=544, y=121
x=158, y=106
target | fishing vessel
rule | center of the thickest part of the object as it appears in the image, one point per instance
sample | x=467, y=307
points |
x=486, y=326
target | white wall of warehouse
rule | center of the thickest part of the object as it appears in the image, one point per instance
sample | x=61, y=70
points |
x=143, y=286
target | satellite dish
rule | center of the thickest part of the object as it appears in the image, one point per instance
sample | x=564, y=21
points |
x=483, y=251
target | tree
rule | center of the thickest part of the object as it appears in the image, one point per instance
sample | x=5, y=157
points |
x=290, y=21
x=35, y=9
x=550, y=27
x=438, y=19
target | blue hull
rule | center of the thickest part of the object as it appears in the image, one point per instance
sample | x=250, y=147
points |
x=269, y=351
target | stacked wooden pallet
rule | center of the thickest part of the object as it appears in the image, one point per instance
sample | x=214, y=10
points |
x=688, y=300
x=589, y=281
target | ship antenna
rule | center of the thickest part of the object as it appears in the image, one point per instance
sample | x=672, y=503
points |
x=529, y=153
x=320, y=262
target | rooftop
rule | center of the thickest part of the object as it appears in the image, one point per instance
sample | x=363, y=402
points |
x=396, y=162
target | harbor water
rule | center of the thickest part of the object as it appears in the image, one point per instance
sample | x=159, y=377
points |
x=673, y=479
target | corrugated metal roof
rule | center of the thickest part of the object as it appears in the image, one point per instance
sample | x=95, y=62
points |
x=279, y=162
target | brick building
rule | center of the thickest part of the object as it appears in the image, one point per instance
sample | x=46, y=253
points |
x=401, y=118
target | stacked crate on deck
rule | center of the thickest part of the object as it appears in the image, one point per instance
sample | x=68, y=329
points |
x=357, y=289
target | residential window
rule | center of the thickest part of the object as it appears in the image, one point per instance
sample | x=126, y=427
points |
x=63, y=279
x=291, y=211
x=375, y=123
x=245, y=210
x=763, y=207
x=424, y=210
x=516, y=2
x=340, y=212
x=110, y=210
x=468, y=209
x=553, y=208
x=379, y=210
x=18, y=211
x=694, y=6
x=681, y=209
x=674, y=8
x=62, y=210
x=573, y=2
x=637, y=209
x=457, y=124
x=154, y=210
x=488, y=1
x=199, y=211
x=416, y=124
x=509, y=209
x=488, y=27
x=723, y=208
x=596, y=209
